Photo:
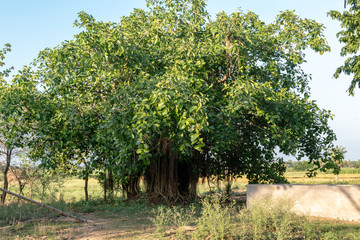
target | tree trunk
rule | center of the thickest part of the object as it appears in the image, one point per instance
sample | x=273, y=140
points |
x=7, y=166
x=111, y=183
x=170, y=180
x=86, y=187
x=21, y=184
x=108, y=185
x=105, y=188
x=132, y=187
x=86, y=181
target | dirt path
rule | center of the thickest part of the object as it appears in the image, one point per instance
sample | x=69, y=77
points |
x=113, y=227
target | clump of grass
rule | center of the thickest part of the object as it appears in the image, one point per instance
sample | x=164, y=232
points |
x=160, y=219
x=267, y=219
x=176, y=217
x=182, y=217
x=215, y=221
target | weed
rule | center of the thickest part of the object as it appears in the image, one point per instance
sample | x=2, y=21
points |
x=182, y=217
x=161, y=219
x=215, y=219
x=177, y=217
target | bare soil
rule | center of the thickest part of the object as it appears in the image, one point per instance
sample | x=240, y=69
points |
x=114, y=227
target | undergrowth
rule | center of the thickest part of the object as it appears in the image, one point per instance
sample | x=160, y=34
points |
x=209, y=218
x=263, y=220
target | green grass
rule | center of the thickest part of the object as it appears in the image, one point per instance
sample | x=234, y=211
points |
x=350, y=171
x=139, y=219
x=19, y=211
x=73, y=189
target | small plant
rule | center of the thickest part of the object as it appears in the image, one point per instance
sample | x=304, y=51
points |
x=182, y=217
x=47, y=185
x=215, y=220
x=161, y=219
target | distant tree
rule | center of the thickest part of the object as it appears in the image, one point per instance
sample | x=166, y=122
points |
x=337, y=155
x=302, y=166
x=357, y=164
x=289, y=164
x=349, y=164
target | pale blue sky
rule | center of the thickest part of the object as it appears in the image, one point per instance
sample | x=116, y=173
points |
x=31, y=26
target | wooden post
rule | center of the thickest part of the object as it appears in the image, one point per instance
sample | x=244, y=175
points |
x=45, y=206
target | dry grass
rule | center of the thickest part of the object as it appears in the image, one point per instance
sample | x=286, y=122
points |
x=322, y=178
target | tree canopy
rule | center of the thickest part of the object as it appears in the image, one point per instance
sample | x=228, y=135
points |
x=349, y=36
x=169, y=94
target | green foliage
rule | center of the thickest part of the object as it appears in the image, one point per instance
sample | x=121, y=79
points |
x=337, y=155
x=6, y=72
x=171, y=95
x=46, y=185
x=349, y=37
x=12, y=130
x=301, y=166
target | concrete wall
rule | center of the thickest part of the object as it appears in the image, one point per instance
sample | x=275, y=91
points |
x=333, y=201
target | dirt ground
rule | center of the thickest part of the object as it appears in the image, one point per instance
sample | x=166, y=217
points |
x=110, y=227
x=115, y=226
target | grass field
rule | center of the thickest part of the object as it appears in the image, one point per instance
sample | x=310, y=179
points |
x=122, y=219
x=323, y=178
